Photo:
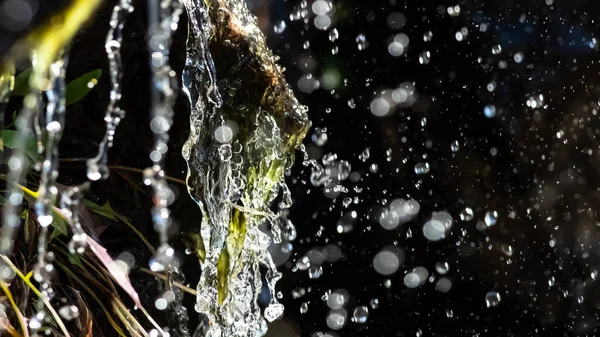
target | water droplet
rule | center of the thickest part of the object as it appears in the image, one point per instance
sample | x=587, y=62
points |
x=360, y=314
x=518, y=57
x=428, y=36
x=489, y=111
x=374, y=303
x=161, y=303
x=466, y=214
x=298, y=292
x=422, y=168
x=69, y=312
x=333, y=35
x=279, y=27
x=425, y=57
x=492, y=299
x=455, y=146
x=454, y=10
x=303, y=307
x=497, y=49
x=78, y=243
x=361, y=42
x=507, y=250
x=442, y=268
x=315, y=272
x=351, y=103
x=490, y=218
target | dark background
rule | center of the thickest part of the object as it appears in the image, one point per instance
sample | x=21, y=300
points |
x=543, y=187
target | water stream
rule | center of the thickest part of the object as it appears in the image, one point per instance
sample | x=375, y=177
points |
x=245, y=125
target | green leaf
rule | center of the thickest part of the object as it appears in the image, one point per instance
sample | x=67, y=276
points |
x=60, y=226
x=22, y=83
x=81, y=86
x=105, y=210
x=75, y=259
x=9, y=140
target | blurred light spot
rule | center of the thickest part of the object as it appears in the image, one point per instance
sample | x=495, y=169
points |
x=396, y=20
x=337, y=319
x=223, y=134
x=322, y=22
x=307, y=83
x=380, y=107
x=388, y=260
x=15, y=15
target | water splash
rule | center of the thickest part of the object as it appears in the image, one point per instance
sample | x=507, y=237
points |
x=97, y=167
x=235, y=173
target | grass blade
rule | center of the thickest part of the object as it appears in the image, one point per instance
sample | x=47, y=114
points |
x=13, y=304
x=93, y=294
x=50, y=308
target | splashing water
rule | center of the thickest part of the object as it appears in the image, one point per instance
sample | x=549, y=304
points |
x=234, y=177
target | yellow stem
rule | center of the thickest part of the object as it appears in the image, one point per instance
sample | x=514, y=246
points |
x=37, y=292
x=15, y=308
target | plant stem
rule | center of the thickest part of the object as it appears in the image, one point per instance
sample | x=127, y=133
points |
x=39, y=294
x=163, y=277
x=133, y=169
x=15, y=308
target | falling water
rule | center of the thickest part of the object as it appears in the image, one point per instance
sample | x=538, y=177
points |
x=47, y=192
x=163, y=20
x=237, y=152
x=97, y=166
